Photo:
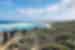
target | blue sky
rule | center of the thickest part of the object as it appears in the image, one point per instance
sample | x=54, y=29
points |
x=34, y=10
x=34, y=3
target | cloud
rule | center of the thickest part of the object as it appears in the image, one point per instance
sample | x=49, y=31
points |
x=66, y=11
x=37, y=12
x=57, y=12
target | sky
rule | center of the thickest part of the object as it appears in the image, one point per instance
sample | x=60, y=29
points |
x=37, y=10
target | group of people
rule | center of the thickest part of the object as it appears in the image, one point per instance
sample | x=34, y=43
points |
x=7, y=36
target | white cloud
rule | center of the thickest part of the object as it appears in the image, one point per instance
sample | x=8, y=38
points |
x=37, y=12
x=61, y=11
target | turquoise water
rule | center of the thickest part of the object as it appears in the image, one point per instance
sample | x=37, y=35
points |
x=27, y=26
x=18, y=26
x=11, y=25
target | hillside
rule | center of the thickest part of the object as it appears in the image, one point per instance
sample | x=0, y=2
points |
x=61, y=37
